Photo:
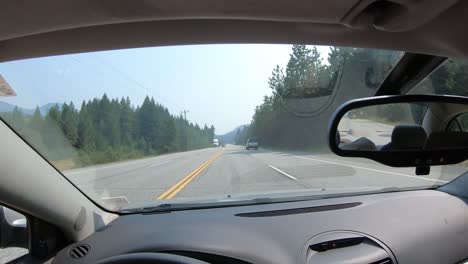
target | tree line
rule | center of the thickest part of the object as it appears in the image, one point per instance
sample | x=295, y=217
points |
x=104, y=130
x=275, y=122
x=306, y=76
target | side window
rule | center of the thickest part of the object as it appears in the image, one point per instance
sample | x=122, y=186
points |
x=13, y=235
x=459, y=124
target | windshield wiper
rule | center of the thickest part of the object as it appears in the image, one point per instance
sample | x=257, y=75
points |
x=166, y=207
x=170, y=207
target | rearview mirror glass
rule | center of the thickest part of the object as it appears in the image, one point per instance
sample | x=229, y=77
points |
x=412, y=130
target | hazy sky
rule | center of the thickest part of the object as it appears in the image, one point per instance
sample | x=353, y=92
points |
x=218, y=84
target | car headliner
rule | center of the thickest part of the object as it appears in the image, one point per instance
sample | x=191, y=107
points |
x=30, y=28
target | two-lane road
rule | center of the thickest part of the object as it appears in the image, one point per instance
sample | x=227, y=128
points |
x=222, y=172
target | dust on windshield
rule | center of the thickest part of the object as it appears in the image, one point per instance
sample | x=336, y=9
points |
x=150, y=126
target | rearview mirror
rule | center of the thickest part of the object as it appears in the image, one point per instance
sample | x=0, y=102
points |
x=401, y=131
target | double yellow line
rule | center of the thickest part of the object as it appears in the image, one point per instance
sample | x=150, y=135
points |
x=176, y=188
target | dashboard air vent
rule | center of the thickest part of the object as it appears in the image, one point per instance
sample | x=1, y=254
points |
x=79, y=251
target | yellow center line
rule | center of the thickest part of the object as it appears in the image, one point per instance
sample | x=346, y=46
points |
x=176, y=188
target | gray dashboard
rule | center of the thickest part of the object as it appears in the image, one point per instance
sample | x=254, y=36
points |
x=426, y=226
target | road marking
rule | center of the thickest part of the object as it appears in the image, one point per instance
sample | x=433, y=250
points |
x=112, y=166
x=95, y=169
x=284, y=173
x=157, y=164
x=290, y=177
x=176, y=188
x=369, y=169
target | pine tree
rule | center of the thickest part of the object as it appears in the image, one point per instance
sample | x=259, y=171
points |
x=147, y=123
x=36, y=121
x=53, y=137
x=168, y=134
x=276, y=82
x=114, y=124
x=127, y=122
x=17, y=120
x=212, y=134
x=53, y=115
x=304, y=73
x=86, y=130
x=106, y=129
x=69, y=123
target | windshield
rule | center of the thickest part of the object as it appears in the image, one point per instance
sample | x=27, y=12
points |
x=140, y=128
x=449, y=78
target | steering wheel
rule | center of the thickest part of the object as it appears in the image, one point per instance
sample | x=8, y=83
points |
x=147, y=258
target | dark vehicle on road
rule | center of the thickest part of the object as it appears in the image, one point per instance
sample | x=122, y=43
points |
x=252, y=143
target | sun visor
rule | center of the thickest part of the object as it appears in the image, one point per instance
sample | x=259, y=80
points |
x=30, y=17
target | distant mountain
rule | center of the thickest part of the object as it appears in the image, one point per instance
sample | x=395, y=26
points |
x=229, y=137
x=6, y=107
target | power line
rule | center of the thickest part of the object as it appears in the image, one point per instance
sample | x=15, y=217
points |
x=130, y=78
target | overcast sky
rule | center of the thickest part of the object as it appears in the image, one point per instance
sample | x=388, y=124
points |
x=219, y=84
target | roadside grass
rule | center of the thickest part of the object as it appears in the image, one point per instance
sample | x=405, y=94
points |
x=67, y=164
x=86, y=159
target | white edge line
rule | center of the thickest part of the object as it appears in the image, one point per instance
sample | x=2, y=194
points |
x=284, y=173
x=94, y=169
x=107, y=167
x=157, y=164
x=364, y=168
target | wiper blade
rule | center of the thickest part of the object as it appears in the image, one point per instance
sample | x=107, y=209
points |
x=158, y=208
x=228, y=202
x=168, y=207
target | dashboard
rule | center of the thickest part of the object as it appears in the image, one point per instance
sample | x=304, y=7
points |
x=426, y=226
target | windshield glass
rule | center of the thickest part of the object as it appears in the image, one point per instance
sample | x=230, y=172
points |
x=449, y=79
x=168, y=125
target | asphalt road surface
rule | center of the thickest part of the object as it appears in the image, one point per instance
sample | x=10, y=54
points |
x=232, y=170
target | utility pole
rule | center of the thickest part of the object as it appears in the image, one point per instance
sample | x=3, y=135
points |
x=184, y=112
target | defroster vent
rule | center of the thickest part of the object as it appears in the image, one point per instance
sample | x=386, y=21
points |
x=346, y=246
x=79, y=251
x=384, y=261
